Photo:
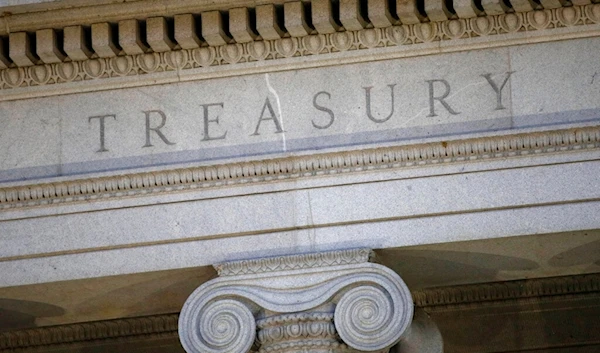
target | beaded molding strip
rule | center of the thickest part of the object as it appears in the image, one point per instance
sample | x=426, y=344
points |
x=147, y=183
x=294, y=262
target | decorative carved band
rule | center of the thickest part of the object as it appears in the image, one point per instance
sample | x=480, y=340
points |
x=513, y=290
x=103, y=64
x=300, y=166
x=148, y=326
x=475, y=295
x=300, y=332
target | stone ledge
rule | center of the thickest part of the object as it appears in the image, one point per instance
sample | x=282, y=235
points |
x=57, y=14
x=148, y=183
x=147, y=327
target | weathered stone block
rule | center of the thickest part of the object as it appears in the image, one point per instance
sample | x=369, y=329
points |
x=239, y=25
x=267, y=23
x=103, y=42
x=47, y=46
x=20, y=50
x=75, y=43
x=213, y=30
x=130, y=38
x=350, y=15
x=322, y=17
x=185, y=31
x=295, y=21
x=157, y=34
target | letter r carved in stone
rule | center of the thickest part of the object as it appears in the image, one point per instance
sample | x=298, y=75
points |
x=325, y=302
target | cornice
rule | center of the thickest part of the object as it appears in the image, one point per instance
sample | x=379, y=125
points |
x=58, y=14
x=44, y=71
x=294, y=167
x=475, y=295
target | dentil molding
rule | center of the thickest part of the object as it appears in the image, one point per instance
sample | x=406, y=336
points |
x=93, y=60
x=503, y=293
x=331, y=302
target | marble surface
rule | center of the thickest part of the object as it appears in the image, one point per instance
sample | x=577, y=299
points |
x=494, y=198
x=117, y=239
x=330, y=211
x=256, y=116
x=424, y=266
x=21, y=2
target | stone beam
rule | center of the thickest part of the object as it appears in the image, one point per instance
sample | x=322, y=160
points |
x=323, y=302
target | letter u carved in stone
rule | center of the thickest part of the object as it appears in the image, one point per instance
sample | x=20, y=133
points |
x=319, y=303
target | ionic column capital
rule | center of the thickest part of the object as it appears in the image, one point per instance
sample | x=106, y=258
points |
x=324, y=302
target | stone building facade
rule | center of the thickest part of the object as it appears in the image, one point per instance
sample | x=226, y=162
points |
x=300, y=176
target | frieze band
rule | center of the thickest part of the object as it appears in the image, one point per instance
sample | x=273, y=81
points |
x=213, y=114
x=293, y=262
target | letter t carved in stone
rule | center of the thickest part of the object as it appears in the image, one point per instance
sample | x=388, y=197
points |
x=329, y=302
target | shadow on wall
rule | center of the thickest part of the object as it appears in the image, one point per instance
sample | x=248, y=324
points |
x=584, y=254
x=565, y=325
x=426, y=268
x=161, y=294
x=18, y=314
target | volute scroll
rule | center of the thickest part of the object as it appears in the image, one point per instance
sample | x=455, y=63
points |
x=367, y=318
x=320, y=303
x=224, y=326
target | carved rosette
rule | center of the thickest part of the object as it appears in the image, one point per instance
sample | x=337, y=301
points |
x=316, y=303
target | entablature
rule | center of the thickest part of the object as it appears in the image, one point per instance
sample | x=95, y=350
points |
x=483, y=135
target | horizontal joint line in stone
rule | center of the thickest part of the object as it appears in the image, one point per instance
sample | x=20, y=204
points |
x=158, y=182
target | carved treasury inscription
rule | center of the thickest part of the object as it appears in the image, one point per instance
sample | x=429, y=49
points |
x=347, y=107
x=210, y=114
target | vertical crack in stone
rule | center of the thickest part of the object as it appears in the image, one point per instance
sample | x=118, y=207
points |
x=279, y=112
